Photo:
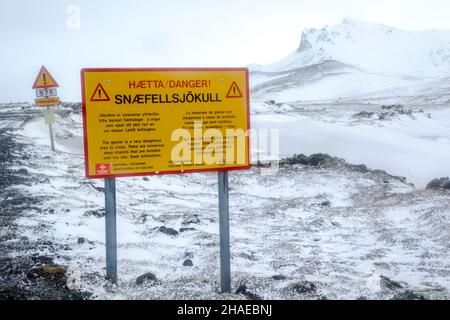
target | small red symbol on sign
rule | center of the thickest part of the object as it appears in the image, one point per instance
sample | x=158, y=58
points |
x=99, y=94
x=102, y=168
x=234, y=91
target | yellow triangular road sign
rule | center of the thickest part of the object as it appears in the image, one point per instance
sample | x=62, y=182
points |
x=44, y=80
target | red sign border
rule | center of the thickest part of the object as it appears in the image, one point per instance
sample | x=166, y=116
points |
x=83, y=107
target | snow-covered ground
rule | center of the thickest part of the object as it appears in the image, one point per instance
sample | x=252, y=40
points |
x=313, y=97
x=337, y=227
x=415, y=146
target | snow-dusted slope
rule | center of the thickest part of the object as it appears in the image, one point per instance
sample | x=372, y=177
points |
x=372, y=47
x=342, y=228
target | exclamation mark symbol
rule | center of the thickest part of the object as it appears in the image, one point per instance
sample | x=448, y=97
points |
x=99, y=94
x=234, y=90
x=45, y=78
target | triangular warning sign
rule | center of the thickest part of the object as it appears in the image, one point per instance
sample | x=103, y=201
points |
x=44, y=80
x=234, y=91
x=99, y=94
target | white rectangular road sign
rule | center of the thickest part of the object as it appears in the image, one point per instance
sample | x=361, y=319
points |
x=46, y=92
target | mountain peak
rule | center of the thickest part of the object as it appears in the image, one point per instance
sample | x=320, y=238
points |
x=372, y=47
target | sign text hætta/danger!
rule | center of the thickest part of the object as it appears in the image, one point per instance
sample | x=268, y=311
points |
x=168, y=84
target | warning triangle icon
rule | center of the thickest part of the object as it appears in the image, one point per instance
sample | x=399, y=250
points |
x=99, y=94
x=44, y=80
x=234, y=91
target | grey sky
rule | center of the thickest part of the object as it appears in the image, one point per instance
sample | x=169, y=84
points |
x=138, y=33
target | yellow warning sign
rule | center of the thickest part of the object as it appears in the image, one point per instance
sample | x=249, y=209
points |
x=157, y=121
x=44, y=80
x=47, y=102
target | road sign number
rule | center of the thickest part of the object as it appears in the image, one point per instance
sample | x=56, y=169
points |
x=46, y=92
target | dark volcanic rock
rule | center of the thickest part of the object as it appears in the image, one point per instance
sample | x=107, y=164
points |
x=147, y=277
x=363, y=114
x=168, y=231
x=320, y=159
x=243, y=290
x=42, y=260
x=360, y=168
x=23, y=172
x=397, y=107
x=188, y=263
x=279, y=277
x=389, y=284
x=303, y=287
x=408, y=295
x=191, y=219
x=388, y=112
x=83, y=241
x=442, y=183
x=326, y=204
x=314, y=160
x=99, y=213
x=186, y=229
x=325, y=160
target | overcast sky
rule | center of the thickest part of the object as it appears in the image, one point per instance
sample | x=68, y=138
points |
x=165, y=33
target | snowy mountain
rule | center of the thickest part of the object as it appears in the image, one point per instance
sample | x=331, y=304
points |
x=372, y=47
x=374, y=57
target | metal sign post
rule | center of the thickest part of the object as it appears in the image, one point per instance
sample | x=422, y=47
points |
x=224, y=227
x=110, y=227
x=49, y=118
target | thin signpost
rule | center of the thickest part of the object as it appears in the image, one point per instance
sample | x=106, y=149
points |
x=224, y=227
x=110, y=227
x=49, y=119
